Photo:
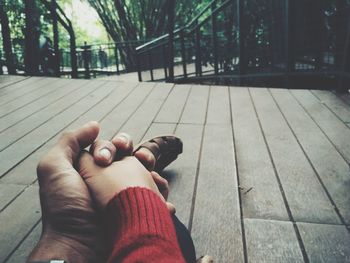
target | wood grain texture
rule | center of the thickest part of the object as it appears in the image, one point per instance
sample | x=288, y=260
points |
x=24, y=249
x=8, y=192
x=336, y=130
x=157, y=129
x=271, y=241
x=309, y=203
x=18, y=218
x=218, y=108
x=10, y=80
x=337, y=106
x=196, y=106
x=15, y=88
x=181, y=174
x=139, y=122
x=43, y=88
x=17, y=131
x=173, y=106
x=25, y=172
x=33, y=140
x=113, y=121
x=216, y=228
x=41, y=104
x=261, y=196
x=325, y=243
x=328, y=163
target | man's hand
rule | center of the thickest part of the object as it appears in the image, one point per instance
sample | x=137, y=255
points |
x=71, y=226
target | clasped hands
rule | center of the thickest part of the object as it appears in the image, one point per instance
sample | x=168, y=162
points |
x=75, y=187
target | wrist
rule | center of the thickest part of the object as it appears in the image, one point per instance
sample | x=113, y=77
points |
x=51, y=247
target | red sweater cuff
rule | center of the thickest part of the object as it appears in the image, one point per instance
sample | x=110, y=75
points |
x=141, y=226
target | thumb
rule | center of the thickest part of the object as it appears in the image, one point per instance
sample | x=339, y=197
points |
x=71, y=143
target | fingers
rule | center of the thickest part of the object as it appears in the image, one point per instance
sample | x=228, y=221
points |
x=171, y=208
x=146, y=157
x=103, y=152
x=66, y=151
x=123, y=144
x=86, y=165
x=162, y=184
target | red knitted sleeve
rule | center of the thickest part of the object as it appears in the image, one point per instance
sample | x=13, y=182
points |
x=142, y=228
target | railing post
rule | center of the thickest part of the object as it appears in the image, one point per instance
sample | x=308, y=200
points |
x=138, y=66
x=215, y=39
x=1, y=64
x=150, y=64
x=86, y=60
x=183, y=53
x=241, y=38
x=198, y=51
x=55, y=37
x=165, y=59
x=116, y=57
x=171, y=14
x=342, y=88
x=289, y=40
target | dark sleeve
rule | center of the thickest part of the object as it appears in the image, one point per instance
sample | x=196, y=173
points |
x=141, y=228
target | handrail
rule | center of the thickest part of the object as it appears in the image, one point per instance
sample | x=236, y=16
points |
x=214, y=12
x=205, y=9
x=165, y=36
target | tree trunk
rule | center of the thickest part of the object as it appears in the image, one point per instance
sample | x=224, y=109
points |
x=6, y=38
x=32, y=34
x=55, y=37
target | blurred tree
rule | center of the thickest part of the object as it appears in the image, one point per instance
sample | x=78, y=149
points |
x=32, y=35
x=6, y=38
x=130, y=20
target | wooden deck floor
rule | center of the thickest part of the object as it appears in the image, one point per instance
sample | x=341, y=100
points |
x=264, y=176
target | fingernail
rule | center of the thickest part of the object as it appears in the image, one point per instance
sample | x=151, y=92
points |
x=105, y=153
x=123, y=139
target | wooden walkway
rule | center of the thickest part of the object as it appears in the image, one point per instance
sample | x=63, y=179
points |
x=264, y=176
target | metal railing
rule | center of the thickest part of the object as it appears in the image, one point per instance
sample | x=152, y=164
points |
x=263, y=43
x=102, y=59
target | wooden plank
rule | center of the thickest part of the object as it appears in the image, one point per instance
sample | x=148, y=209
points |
x=112, y=123
x=18, y=87
x=337, y=131
x=196, y=106
x=42, y=104
x=139, y=122
x=25, y=171
x=173, y=106
x=328, y=163
x=309, y=203
x=271, y=241
x=10, y=80
x=260, y=193
x=218, y=108
x=7, y=137
x=8, y=192
x=336, y=105
x=181, y=174
x=15, y=153
x=325, y=243
x=22, y=252
x=157, y=129
x=18, y=218
x=44, y=88
x=216, y=228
